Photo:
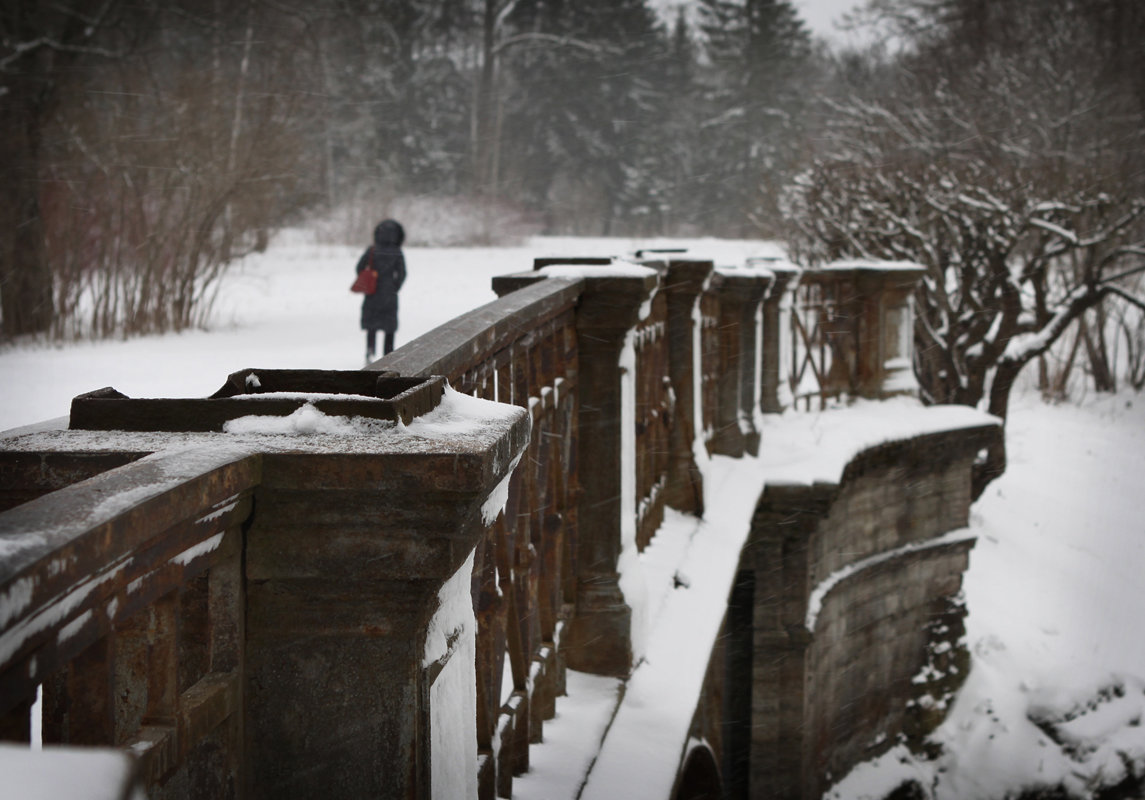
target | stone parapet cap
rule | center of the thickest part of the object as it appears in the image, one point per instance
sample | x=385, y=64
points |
x=742, y=285
x=682, y=276
x=356, y=394
x=745, y=271
x=453, y=347
x=611, y=276
x=473, y=434
x=872, y=275
x=60, y=539
x=612, y=295
x=777, y=266
x=547, y=261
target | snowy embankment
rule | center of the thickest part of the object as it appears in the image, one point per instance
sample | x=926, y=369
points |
x=1056, y=691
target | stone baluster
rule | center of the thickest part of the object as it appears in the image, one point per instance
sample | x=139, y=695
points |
x=739, y=296
x=750, y=356
x=683, y=280
x=775, y=394
x=598, y=638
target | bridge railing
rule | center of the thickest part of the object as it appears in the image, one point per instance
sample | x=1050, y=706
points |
x=851, y=331
x=625, y=368
x=122, y=598
x=521, y=349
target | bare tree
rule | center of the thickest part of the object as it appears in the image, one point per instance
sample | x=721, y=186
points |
x=1011, y=172
x=150, y=193
x=41, y=44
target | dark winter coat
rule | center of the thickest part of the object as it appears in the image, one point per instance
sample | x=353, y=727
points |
x=380, y=309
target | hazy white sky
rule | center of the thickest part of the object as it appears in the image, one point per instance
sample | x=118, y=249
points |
x=819, y=14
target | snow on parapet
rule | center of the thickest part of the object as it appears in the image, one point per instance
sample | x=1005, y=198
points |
x=495, y=503
x=815, y=601
x=806, y=448
x=631, y=581
x=451, y=642
x=617, y=269
x=681, y=619
x=306, y=420
x=14, y=637
x=456, y=414
x=885, y=266
x=15, y=599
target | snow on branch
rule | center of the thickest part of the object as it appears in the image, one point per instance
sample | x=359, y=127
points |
x=1057, y=230
x=504, y=13
x=989, y=204
x=1021, y=350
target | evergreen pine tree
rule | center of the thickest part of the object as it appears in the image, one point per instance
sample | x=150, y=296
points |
x=754, y=98
x=585, y=93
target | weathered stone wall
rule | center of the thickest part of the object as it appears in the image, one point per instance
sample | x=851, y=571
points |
x=894, y=495
x=871, y=640
x=855, y=591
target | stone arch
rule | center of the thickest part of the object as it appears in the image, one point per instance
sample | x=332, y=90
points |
x=700, y=777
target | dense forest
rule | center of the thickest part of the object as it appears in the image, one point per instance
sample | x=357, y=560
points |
x=146, y=145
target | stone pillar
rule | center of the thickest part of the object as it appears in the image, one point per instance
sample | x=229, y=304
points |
x=774, y=393
x=886, y=342
x=871, y=327
x=739, y=296
x=683, y=281
x=778, y=554
x=347, y=553
x=598, y=638
x=346, y=556
x=750, y=357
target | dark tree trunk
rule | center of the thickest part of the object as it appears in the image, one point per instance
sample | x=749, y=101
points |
x=994, y=463
x=485, y=144
x=25, y=279
x=1104, y=379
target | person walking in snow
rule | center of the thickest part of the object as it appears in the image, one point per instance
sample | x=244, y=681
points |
x=380, y=309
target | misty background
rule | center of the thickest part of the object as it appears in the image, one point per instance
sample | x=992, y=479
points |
x=149, y=145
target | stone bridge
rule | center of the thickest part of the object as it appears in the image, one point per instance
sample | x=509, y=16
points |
x=376, y=583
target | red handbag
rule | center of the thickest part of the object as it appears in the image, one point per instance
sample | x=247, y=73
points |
x=367, y=280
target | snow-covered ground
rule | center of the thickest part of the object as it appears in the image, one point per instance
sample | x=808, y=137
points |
x=288, y=308
x=1056, y=693
x=1055, y=593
